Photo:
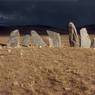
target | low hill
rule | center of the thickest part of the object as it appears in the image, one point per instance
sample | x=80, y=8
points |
x=41, y=29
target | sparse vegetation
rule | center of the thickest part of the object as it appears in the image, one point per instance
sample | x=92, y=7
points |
x=47, y=71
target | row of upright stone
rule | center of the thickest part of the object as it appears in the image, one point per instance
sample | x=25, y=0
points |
x=54, y=38
x=34, y=38
x=84, y=41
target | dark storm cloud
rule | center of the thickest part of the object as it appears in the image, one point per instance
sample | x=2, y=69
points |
x=42, y=0
x=56, y=13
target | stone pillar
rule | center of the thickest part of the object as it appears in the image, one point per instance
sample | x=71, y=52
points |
x=73, y=35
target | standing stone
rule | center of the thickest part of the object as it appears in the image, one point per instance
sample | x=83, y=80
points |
x=54, y=39
x=85, y=39
x=1, y=47
x=73, y=36
x=37, y=40
x=14, y=40
x=93, y=43
x=26, y=40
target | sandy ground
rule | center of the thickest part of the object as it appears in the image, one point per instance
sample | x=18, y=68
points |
x=47, y=71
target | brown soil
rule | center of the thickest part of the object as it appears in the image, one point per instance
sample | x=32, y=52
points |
x=47, y=71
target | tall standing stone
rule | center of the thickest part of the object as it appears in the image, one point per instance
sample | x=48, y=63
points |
x=37, y=40
x=73, y=35
x=93, y=43
x=54, y=39
x=85, y=39
x=14, y=40
x=26, y=40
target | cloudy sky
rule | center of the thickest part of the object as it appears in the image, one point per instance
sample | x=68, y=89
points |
x=47, y=12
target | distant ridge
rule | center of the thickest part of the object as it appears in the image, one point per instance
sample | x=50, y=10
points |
x=41, y=29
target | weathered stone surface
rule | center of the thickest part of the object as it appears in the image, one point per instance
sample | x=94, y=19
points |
x=1, y=47
x=85, y=39
x=54, y=39
x=73, y=36
x=37, y=40
x=14, y=40
x=26, y=40
x=93, y=43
